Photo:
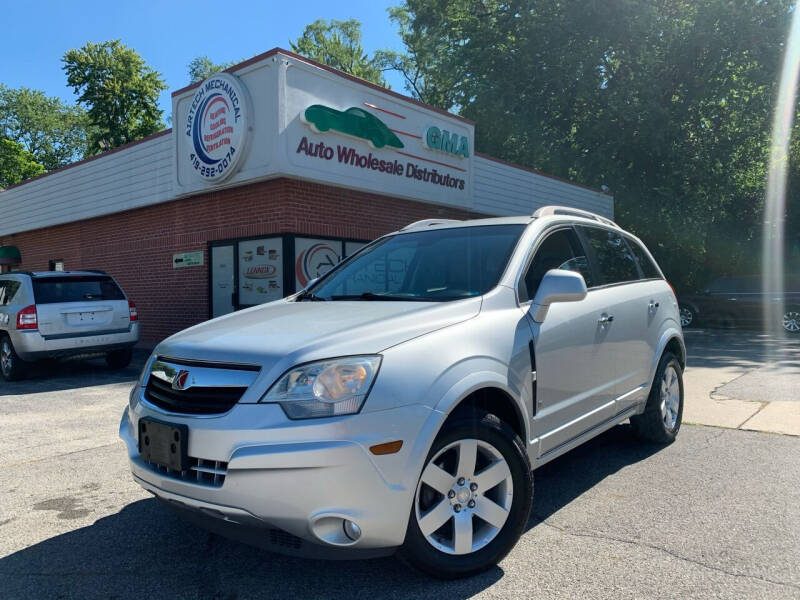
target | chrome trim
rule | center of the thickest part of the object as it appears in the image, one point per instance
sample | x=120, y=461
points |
x=201, y=376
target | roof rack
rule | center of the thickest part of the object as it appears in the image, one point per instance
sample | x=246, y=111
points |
x=428, y=223
x=575, y=212
x=98, y=271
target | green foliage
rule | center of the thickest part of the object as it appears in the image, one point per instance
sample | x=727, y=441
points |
x=55, y=133
x=669, y=104
x=202, y=68
x=120, y=91
x=338, y=44
x=16, y=163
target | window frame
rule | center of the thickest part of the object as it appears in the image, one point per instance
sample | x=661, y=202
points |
x=592, y=258
x=518, y=280
x=633, y=241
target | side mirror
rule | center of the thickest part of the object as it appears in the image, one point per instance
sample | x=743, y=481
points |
x=557, y=286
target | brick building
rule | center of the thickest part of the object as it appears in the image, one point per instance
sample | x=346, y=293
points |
x=272, y=172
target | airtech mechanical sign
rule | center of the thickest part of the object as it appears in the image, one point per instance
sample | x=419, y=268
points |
x=217, y=126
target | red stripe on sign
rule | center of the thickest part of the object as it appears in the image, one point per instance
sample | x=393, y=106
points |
x=388, y=112
x=419, y=137
x=436, y=162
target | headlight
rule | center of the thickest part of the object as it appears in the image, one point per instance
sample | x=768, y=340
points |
x=326, y=388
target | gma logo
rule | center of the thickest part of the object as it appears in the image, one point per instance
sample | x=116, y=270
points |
x=444, y=141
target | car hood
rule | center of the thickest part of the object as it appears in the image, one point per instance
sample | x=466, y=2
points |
x=281, y=334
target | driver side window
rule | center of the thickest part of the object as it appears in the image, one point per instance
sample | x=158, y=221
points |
x=559, y=250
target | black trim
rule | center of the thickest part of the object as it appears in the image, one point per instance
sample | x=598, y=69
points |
x=191, y=362
x=65, y=336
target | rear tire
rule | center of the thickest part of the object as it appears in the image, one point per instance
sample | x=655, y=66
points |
x=663, y=413
x=470, y=534
x=119, y=359
x=12, y=367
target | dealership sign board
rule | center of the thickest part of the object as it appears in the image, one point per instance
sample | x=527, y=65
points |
x=217, y=127
x=281, y=116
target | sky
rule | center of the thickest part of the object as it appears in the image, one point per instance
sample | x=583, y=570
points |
x=169, y=34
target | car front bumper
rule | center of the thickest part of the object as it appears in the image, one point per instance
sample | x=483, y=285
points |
x=301, y=477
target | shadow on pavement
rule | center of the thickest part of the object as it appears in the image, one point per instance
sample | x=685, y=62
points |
x=561, y=481
x=726, y=348
x=54, y=376
x=146, y=551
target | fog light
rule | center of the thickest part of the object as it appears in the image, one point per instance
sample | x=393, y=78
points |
x=351, y=530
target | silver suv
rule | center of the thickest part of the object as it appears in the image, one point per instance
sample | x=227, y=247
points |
x=56, y=314
x=402, y=400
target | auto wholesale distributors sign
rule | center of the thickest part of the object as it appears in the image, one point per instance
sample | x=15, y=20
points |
x=217, y=127
x=358, y=123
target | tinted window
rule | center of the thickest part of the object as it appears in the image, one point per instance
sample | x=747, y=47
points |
x=49, y=290
x=7, y=291
x=443, y=264
x=614, y=259
x=646, y=264
x=559, y=250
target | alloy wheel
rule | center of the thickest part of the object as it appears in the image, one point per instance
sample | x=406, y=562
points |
x=464, y=496
x=791, y=321
x=5, y=357
x=686, y=316
x=670, y=397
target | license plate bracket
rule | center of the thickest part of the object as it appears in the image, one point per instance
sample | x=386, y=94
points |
x=164, y=444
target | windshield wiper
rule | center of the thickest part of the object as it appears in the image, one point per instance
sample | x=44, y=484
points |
x=308, y=295
x=374, y=296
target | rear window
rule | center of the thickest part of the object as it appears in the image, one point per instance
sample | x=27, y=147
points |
x=83, y=288
x=613, y=256
x=646, y=264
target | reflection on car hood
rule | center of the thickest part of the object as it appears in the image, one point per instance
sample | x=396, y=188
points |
x=281, y=334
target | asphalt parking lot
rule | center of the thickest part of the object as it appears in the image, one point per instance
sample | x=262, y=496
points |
x=715, y=515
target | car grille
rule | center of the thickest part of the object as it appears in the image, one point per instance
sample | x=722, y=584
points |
x=205, y=472
x=194, y=400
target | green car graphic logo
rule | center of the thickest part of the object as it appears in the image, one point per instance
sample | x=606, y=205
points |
x=353, y=121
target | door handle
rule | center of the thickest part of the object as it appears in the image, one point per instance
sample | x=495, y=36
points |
x=605, y=319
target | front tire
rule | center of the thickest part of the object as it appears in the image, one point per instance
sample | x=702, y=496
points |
x=12, y=367
x=119, y=359
x=662, y=416
x=473, y=499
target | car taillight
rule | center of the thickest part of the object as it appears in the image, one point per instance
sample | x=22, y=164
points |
x=27, y=318
x=673, y=290
x=133, y=311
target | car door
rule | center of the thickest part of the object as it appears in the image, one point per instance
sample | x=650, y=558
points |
x=633, y=307
x=574, y=368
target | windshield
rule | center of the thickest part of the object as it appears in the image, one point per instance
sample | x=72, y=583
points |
x=435, y=265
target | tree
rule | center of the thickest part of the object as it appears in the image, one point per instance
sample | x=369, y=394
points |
x=54, y=132
x=668, y=104
x=338, y=45
x=202, y=68
x=120, y=91
x=16, y=163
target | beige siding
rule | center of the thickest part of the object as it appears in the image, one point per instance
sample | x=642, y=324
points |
x=131, y=178
x=501, y=189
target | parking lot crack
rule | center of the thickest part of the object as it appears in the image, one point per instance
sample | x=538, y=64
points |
x=605, y=537
x=51, y=457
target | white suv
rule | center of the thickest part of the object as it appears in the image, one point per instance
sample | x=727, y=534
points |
x=56, y=314
x=402, y=400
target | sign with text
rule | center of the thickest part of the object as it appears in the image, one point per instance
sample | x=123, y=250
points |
x=260, y=270
x=187, y=259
